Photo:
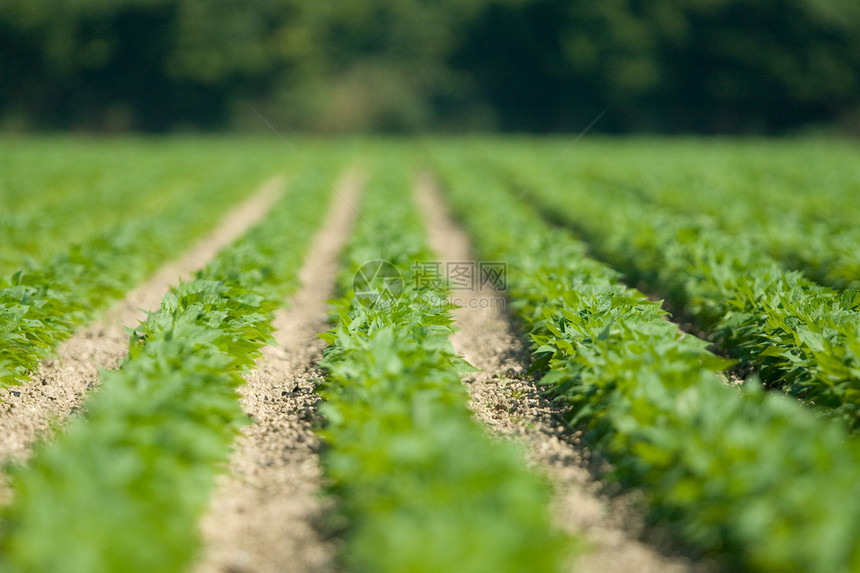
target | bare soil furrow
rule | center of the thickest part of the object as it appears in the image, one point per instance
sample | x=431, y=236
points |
x=510, y=405
x=266, y=511
x=30, y=411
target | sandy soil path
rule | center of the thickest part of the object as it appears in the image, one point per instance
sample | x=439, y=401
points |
x=266, y=511
x=30, y=411
x=510, y=405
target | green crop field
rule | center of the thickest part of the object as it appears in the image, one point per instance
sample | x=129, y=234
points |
x=690, y=308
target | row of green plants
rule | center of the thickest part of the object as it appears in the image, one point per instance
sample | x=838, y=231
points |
x=56, y=192
x=797, y=335
x=797, y=201
x=123, y=487
x=44, y=302
x=826, y=250
x=421, y=488
x=826, y=254
x=750, y=478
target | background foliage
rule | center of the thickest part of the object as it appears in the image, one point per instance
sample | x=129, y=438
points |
x=712, y=66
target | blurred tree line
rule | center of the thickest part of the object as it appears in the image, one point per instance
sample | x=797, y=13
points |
x=713, y=66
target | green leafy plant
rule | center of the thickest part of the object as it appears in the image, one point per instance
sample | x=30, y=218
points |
x=420, y=486
x=749, y=477
x=797, y=335
x=122, y=489
x=44, y=302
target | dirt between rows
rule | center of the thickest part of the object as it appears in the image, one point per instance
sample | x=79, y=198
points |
x=32, y=411
x=510, y=405
x=266, y=512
